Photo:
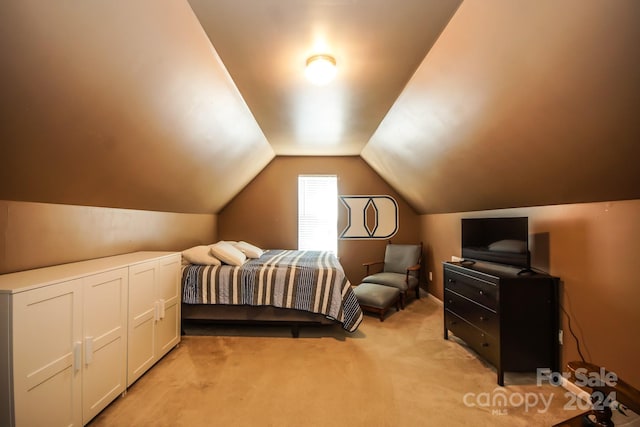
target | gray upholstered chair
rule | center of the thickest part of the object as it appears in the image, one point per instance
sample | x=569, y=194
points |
x=400, y=269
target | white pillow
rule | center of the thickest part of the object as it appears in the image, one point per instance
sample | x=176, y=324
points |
x=228, y=254
x=249, y=250
x=199, y=255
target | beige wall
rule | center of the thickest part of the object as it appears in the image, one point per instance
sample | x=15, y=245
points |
x=38, y=234
x=593, y=248
x=265, y=212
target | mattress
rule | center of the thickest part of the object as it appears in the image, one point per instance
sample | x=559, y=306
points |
x=312, y=281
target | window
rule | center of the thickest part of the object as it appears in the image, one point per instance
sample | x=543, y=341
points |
x=318, y=213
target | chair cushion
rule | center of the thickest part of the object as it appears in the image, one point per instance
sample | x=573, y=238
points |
x=378, y=296
x=397, y=258
x=395, y=280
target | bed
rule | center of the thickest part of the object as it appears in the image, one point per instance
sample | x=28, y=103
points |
x=281, y=286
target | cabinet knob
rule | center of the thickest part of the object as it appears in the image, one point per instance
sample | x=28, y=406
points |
x=451, y=280
x=485, y=344
x=450, y=301
x=481, y=293
x=482, y=318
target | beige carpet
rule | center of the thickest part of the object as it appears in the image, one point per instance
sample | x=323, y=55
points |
x=400, y=372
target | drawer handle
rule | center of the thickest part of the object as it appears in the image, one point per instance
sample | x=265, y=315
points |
x=451, y=280
x=450, y=301
x=482, y=318
x=485, y=344
x=481, y=293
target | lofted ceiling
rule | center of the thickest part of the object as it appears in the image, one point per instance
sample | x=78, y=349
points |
x=177, y=106
x=377, y=44
x=519, y=104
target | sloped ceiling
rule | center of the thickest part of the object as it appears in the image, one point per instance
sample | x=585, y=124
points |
x=377, y=45
x=120, y=104
x=176, y=106
x=519, y=104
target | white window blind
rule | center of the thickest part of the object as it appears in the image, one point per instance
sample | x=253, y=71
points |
x=318, y=213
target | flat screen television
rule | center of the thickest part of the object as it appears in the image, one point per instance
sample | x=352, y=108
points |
x=498, y=240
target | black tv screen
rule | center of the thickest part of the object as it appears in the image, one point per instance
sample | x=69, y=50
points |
x=498, y=240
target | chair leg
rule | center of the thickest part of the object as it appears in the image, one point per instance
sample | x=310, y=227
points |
x=402, y=298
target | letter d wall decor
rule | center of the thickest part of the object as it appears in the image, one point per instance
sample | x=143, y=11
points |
x=370, y=217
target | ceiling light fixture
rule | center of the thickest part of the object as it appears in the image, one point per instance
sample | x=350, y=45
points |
x=321, y=69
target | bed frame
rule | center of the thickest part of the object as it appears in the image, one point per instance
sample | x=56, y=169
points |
x=253, y=315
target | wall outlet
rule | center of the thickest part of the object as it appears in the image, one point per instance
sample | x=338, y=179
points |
x=560, y=337
x=431, y=276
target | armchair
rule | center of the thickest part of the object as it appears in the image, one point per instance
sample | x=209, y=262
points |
x=400, y=269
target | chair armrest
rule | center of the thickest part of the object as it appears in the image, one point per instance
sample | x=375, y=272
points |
x=371, y=263
x=367, y=264
x=409, y=270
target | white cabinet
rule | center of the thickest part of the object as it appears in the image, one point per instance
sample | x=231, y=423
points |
x=69, y=349
x=169, y=291
x=46, y=354
x=104, y=344
x=64, y=335
x=154, y=313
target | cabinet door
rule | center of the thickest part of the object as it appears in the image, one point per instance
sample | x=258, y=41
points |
x=142, y=315
x=104, y=339
x=47, y=357
x=168, y=293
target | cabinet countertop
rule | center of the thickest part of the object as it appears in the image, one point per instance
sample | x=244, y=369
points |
x=21, y=281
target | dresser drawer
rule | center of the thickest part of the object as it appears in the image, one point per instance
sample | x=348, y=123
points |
x=481, y=342
x=477, y=315
x=477, y=290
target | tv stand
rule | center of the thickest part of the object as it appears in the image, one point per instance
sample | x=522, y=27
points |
x=509, y=319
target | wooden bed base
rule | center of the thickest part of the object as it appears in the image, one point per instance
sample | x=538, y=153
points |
x=255, y=315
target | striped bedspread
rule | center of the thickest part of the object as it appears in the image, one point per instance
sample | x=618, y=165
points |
x=304, y=280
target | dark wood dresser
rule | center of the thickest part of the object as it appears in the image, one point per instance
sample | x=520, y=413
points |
x=509, y=319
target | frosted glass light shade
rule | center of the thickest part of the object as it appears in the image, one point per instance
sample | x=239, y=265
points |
x=321, y=69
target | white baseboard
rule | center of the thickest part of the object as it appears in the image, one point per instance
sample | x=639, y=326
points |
x=586, y=397
x=571, y=387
